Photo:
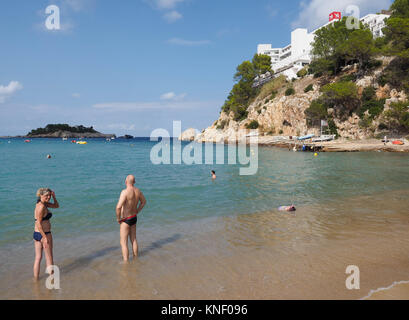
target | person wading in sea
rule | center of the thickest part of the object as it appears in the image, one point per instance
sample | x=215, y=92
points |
x=43, y=239
x=131, y=202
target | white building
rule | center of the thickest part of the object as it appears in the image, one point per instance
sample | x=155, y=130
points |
x=292, y=58
x=375, y=22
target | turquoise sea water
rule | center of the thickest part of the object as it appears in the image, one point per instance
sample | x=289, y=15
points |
x=88, y=178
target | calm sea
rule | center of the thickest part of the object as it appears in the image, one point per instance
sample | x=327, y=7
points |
x=88, y=179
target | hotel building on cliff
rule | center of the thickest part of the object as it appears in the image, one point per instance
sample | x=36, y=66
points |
x=293, y=57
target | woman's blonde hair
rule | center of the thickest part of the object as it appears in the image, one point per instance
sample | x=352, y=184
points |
x=43, y=191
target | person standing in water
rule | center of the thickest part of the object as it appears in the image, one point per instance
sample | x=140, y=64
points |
x=131, y=202
x=43, y=240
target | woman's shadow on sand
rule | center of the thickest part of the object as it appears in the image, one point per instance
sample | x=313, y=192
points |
x=86, y=260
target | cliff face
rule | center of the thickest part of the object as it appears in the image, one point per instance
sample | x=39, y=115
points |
x=284, y=115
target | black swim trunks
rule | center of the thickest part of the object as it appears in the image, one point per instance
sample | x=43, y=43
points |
x=131, y=221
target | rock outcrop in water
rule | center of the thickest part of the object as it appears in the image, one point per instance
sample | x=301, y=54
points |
x=67, y=134
x=66, y=131
x=188, y=135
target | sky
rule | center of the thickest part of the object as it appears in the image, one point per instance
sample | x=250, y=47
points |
x=132, y=66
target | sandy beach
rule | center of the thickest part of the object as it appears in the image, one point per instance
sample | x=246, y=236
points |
x=339, y=145
x=266, y=255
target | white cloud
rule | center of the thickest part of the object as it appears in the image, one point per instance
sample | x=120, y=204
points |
x=189, y=43
x=166, y=4
x=9, y=90
x=172, y=16
x=76, y=95
x=172, y=96
x=169, y=6
x=315, y=13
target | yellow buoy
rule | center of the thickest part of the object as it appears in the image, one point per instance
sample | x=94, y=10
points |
x=315, y=154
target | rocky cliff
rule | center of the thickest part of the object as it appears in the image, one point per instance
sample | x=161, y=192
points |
x=284, y=115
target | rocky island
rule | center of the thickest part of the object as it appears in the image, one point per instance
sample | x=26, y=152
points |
x=66, y=131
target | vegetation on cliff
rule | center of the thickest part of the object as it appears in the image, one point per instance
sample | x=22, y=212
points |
x=243, y=91
x=336, y=46
x=343, y=60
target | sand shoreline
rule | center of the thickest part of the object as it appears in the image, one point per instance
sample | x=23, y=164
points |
x=340, y=145
x=264, y=255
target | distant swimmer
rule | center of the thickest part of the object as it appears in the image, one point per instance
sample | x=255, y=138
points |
x=131, y=202
x=48, y=156
x=43, y=240
x=287, y=208
x=213, y=174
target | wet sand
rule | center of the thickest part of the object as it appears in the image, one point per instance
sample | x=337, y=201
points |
x=396, y=291
x=265, y=255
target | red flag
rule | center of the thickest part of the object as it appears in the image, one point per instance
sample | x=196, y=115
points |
x=335, y=16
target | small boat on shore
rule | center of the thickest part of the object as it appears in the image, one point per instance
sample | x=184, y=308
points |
x=327, y=137
x=308, y=136
x=398, y=142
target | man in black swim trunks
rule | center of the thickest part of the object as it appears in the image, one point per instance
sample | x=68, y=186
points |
x=131, y=202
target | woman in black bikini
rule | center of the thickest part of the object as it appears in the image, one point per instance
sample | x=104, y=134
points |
x=42, y=229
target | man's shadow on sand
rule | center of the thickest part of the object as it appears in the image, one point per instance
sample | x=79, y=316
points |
x=84, y=261
x=159, y=244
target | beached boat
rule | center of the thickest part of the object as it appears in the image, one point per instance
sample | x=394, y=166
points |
x=308, y=136
x=398, y=142
x=327, y=137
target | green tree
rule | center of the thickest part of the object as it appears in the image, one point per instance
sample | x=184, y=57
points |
x=400, y=9
x=398, y=116
x=335, y=46
x=317, y=111
x=397, y=33
x=359, y=47
x=261, y=64
x=342, y=96
x=326, y=45
x=245, y=72
x=253, y=125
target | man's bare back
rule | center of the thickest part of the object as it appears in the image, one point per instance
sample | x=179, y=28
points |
x=131, y=202
x=132, y=197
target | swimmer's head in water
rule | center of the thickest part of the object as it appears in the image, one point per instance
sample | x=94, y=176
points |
x=130, y=180
x=43, y=194
x=213, y=172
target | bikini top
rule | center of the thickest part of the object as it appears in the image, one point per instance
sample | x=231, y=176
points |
x=47, y=217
